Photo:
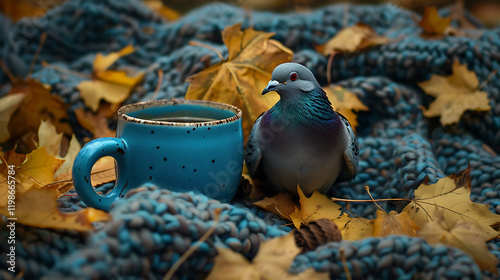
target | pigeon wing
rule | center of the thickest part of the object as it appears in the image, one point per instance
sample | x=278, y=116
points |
x=351, y=153
x=253, y=153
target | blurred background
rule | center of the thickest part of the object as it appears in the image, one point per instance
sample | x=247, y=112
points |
x=488, y=11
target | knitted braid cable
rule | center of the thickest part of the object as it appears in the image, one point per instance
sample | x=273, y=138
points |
x=152, y=228
x=393, y=257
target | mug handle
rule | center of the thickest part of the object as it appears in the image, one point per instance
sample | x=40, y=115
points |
x=82, y=167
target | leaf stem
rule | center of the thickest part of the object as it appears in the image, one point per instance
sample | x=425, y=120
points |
x=369, y=193
x=194, y=43
x=370, y=200
x=485, y=82
x=7, y=72
x=57, y=182
x=3, y=159
x=158, y=84
x=42, y=40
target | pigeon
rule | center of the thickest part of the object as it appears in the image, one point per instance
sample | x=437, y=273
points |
x=301, y=141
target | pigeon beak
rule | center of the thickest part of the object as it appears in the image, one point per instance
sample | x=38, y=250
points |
x=271, y=86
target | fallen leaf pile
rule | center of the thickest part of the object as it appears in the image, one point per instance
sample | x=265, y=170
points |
x=37, y=104
x=37, y=184
x=457, y=218
x=113, y=86
x=38, y=207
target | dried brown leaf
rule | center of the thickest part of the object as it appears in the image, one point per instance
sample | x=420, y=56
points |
x=97, y=123
x=454, y=94
x=462, y=235
x=313, y=208
x=281, y=204
x=110, y=85
x=451, y=195
x=37, y=105
x=38, y=208
x=36, y=171
x=354, y=228
x=8, y=105
x=240, y=79
x=351, y=39
x=432, y=23
x=272, y=262
x=393, y=223
x=346, y=103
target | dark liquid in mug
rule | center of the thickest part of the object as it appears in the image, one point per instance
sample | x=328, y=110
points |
x=187, y=119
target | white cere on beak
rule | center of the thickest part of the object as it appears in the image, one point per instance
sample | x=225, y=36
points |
x=272, y=83
x=270, y=86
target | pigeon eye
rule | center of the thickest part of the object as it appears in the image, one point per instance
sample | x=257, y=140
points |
x=293, y=77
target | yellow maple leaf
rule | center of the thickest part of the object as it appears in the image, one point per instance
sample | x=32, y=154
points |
x=432, y=23
x=346, y=103
x=73, y=149
x=110, y=85
x=240, y=79
x=393, y=223
x=52, y=141
x=37, y=105
x=102, y=172
x=350, y=39
x=38, y=168
x=462, y=235
x=454, y=94
x=8, y=105
x=271, y=262
x=354, y=228
x=281, y=204
x=313, y=208
x=451, y=195
x=38, y=208
x=49, y=138
x=35, y=172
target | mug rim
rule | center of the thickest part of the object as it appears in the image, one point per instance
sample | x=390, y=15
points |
x=124, y=110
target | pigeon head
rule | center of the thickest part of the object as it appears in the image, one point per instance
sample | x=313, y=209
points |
x=290, y=79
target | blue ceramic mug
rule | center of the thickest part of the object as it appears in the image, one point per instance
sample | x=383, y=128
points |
x=181, y=145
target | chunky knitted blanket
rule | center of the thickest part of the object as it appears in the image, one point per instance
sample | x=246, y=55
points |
x=399, y=147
